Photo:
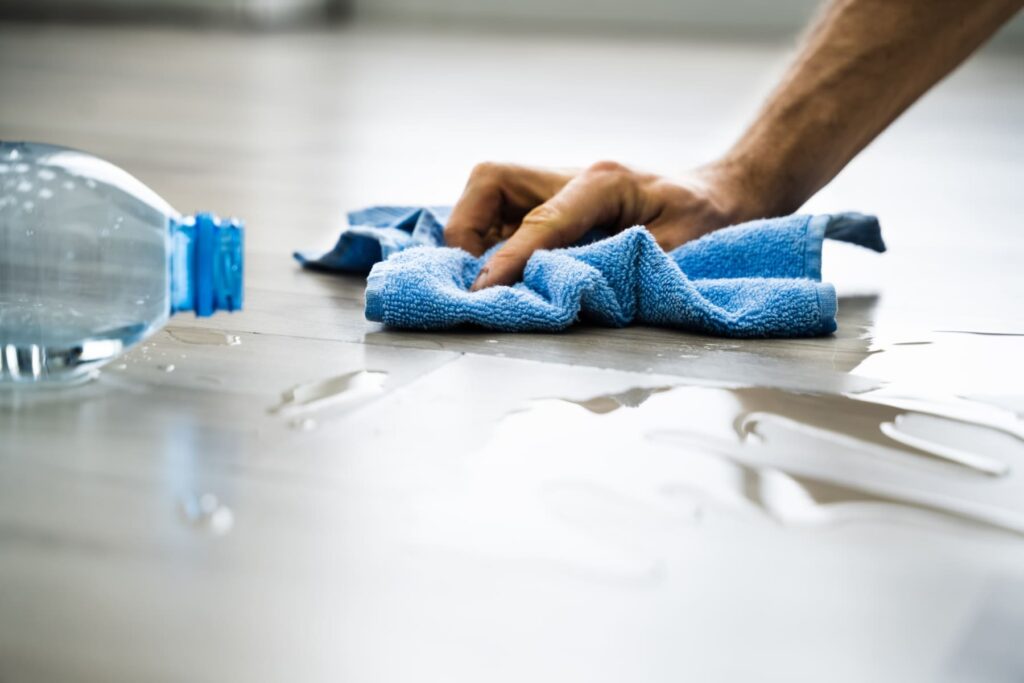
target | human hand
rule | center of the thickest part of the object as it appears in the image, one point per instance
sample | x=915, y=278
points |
x=544, y=209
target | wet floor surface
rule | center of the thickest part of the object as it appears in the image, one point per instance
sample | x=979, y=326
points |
x=294, y=493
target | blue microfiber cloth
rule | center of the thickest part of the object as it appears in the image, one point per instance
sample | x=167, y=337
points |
x=758, y=279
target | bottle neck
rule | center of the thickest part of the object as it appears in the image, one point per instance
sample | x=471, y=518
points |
x=206, y=264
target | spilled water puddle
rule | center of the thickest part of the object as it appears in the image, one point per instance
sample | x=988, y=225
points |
x=948, y=366
x=757, y=492
x=965, y=443
x=611, y=485
x=300, y=402
x=631, y=398
x=1008, y=402
x=204, y=337
x=794, y=458
x=976, y=448
x=715, y=477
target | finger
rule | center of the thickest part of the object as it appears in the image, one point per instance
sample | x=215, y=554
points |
x=470, y=225
x=496, y=199
x=595, y=197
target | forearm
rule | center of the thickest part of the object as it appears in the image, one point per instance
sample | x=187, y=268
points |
x=860, y=66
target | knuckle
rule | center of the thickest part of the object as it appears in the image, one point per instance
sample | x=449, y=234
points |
x=607, y=167
x=544, y=225
x=540, y=217
x=486, y=170
x=668, y=193
x=503, y=257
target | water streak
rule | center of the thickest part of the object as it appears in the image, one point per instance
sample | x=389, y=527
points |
x=201, y=336
x=631, y=398
x=348, y=389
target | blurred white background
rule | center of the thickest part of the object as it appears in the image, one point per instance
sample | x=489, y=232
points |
x=712, y=18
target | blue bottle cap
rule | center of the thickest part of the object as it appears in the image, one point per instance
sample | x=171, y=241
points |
x=211, y=272
x=217, y=276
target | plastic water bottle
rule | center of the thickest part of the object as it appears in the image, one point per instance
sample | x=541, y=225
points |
x=92, y=262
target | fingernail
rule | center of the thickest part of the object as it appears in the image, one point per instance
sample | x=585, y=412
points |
x=481, y=280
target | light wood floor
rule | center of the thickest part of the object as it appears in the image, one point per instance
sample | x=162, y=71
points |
x=632, y=504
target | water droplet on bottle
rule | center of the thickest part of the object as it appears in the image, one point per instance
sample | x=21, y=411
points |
x=232, y=339
x=24, y=186
x=104, y=232
x=4, y=168
x=121, y=366
x=90, y=183
x=28, y=206
x=68, y=185
x=169, y=367
x=45, y=193
x=46, y=174
x=20, y=168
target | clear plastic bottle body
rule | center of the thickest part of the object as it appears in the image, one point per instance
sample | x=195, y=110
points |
x=86, y=255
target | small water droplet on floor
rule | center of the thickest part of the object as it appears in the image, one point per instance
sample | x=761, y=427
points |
x=206, y=512
x=305, y=424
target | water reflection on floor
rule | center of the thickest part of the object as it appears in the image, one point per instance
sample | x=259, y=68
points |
x=560, y=474
x=781, y=450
